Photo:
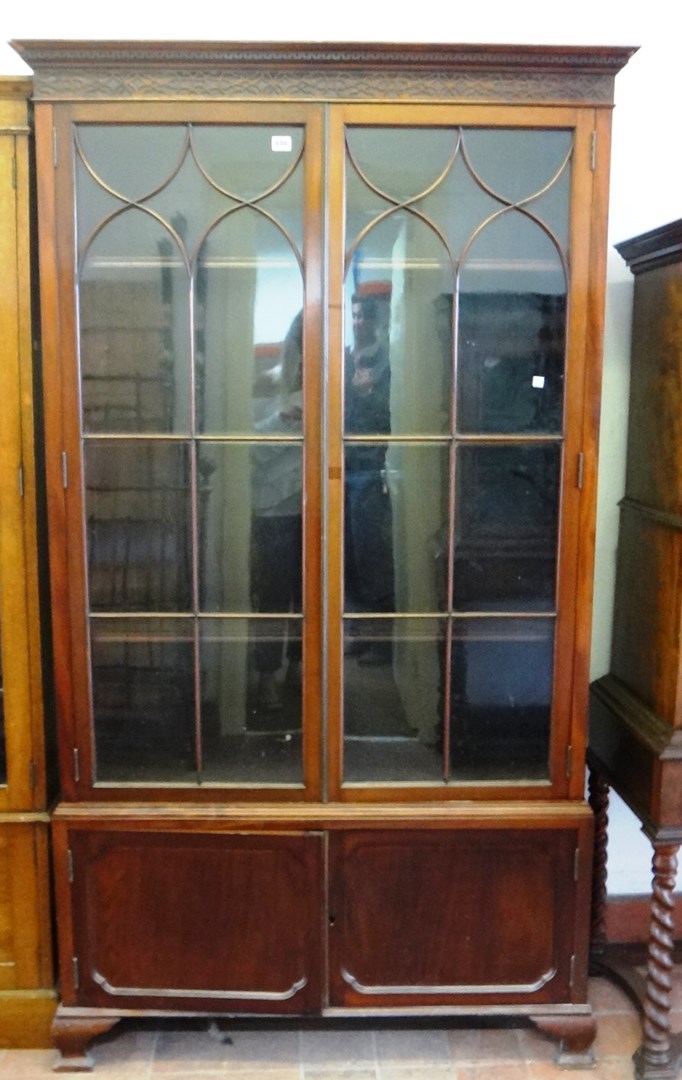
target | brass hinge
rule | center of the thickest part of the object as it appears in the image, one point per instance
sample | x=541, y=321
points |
x=576, y=865
x=580, y=477
x=572, y=969
x=76, y=765
x=593, y=152
x=69, y=866
x=76, y=972
x=65, y=470
x=20, y=481
x=55, y=148
x=569, y=762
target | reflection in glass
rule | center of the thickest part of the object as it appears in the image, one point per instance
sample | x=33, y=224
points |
x=506, y=527
x=250, y=525
x=252, y=290
x=399, y=267
x=367, y=512
x=251, y=730
x=511, y=330
x=139, y=526
x=511, y=362
x=134, y=329
x=391, y=712
x=143, y=699
x=501, y=698
x=395, y=525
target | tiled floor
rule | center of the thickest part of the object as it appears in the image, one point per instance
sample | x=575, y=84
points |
x=205, y=1051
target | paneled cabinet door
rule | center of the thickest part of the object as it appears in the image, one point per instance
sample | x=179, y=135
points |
x=415, y=918
x=215, y=922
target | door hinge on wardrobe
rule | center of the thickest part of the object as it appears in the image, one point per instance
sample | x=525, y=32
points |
x=69, y=866
x=55, y=148
x=569, y=762
x=65, y=470
x=593, y=152
x=580, y=476
x=76, y=972
x=76, y=765
x=572, y=970
x=576, y=865
x=20, y=481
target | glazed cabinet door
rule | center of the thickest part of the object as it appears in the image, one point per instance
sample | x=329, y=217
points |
x=457, y=368
x=187, y=615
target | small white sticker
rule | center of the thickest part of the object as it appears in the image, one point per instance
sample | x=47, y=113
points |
x=538, y=382
x=281, y=144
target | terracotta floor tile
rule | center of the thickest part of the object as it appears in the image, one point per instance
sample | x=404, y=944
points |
x=338, y=1073
x=518, y=1071
x=605, y=996
x=338, y=1048
x=417, y=1072
x=494, y=1045
x=26, y=1064
x=412, y=1047
x=617, y=1036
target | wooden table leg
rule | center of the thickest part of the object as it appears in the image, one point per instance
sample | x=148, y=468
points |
x=657, y=1057
x=598, y=788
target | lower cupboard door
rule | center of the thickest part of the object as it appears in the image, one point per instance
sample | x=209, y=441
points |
x=451, y=917
x=217, y=922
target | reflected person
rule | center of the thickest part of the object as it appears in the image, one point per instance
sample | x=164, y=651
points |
x=276, y=532
x=368, y=525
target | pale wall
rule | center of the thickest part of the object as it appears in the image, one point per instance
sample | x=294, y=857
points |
x=645, y=190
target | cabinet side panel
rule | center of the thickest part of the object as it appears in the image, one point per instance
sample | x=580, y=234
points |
x=646, y=629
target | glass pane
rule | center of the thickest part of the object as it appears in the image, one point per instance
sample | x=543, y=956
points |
x=512, y=330
x=392, y=700
x=247, y=161
x=250, y=521
x=395, y=515
x=529, y=166
x=250, y=294
x=251, y=700
x=139, y=526
x=398, y=360
x=501, y=698
x=511, y=362
x=125, y=159
x=134, y=329
x=143, y=700
x=506, y=528
x=401, y=163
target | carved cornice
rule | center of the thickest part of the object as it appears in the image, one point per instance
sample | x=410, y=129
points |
x=660, y=247
x=149, y=70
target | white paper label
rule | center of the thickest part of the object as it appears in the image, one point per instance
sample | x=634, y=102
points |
x=538, y=382
x=281, y=144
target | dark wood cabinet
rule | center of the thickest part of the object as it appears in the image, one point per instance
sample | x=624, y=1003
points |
x=636, y=709
x=323, y=328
